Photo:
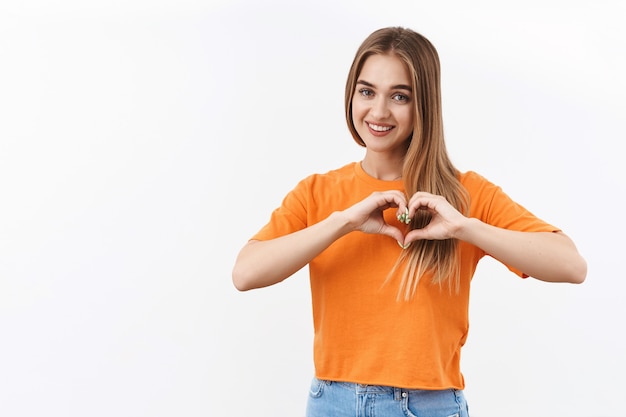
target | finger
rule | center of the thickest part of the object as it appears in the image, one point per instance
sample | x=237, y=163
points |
x=391, y=198
x=388, y=199
x=403, y=215
x=418, y=234
x=392, y=232
x=396, y=197
x=424, y=201
x=421, y=195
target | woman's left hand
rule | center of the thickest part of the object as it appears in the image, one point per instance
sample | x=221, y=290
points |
x=446, y=220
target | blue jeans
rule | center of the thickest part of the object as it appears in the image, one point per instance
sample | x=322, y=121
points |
x=343, y=399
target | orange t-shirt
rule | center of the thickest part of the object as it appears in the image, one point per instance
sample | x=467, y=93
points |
x=363, y=334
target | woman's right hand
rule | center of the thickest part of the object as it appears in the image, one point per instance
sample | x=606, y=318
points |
x=367, y=215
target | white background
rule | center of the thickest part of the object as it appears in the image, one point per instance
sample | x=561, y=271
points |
x=142, y=143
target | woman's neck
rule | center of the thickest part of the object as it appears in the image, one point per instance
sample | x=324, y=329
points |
x=385, y=172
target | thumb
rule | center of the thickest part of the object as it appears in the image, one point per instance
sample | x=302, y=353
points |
x=394, y=233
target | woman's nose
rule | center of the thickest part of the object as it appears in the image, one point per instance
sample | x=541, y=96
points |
x=380, y=108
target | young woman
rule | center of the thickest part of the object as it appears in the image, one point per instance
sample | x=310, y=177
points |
x=392, y=243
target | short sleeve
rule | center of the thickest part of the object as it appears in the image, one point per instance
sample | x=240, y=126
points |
x=492, y=205
x=289, y=217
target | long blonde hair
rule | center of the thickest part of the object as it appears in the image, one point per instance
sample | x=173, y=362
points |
x=427, y=166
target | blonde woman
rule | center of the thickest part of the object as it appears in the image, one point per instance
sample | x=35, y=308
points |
x=392, y=243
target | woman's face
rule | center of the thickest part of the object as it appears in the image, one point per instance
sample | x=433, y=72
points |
x=382, y=105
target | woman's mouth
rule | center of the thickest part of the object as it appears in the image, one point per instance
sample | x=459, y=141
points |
x=379, y=130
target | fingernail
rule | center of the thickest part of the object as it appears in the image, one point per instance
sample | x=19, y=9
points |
x=404, y=217
x=403, y=246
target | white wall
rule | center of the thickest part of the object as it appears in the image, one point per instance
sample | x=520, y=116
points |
x=142, y=143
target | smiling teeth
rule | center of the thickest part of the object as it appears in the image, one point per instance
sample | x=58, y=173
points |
x=380, y=128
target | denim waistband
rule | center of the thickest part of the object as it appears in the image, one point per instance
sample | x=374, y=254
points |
x=396, y=392
x=326, y=397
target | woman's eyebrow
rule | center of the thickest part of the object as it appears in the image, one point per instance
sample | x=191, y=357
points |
x=395, y=87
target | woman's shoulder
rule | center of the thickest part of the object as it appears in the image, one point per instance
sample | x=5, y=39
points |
x=327, y=189
x=337, y=174
x=478, y=186
x=473, y=180
x=470, y=176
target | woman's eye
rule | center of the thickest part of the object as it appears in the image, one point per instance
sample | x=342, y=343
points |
x=401, y=97
x=366, y=92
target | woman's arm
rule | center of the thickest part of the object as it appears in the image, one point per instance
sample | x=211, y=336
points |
x=263, y=263
x=547, y=256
